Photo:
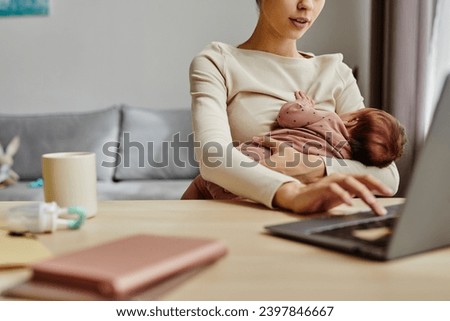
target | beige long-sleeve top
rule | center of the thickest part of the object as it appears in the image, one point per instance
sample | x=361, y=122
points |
x=237, y=94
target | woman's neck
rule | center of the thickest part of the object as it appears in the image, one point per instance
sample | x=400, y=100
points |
x=263, y=40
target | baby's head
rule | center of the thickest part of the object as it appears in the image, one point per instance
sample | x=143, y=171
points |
x=376, y=137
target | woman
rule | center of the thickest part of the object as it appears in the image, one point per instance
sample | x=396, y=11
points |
x=236, y=95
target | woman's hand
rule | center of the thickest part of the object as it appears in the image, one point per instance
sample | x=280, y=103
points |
x=285, y=159
x=329, y=192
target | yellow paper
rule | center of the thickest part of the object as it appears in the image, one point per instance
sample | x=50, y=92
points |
x=19, y=252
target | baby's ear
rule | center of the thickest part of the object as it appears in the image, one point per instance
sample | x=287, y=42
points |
x=351, y=122
x=13, y=146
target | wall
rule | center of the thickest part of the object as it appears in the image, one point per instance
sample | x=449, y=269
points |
x=344, y=26
x=90, y=54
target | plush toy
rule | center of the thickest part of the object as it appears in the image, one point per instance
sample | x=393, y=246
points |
x=7, y=175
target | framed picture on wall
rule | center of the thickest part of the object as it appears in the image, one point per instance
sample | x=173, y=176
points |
x=24, y=7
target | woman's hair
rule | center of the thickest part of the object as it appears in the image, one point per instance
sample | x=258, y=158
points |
x=377, y=139
x=258, y=2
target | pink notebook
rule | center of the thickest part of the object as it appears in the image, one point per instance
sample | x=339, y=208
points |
x=122, y=268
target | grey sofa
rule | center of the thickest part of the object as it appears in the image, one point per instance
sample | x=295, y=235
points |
x=141, y=153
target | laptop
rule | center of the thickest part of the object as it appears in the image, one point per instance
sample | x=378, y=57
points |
x=421, y=224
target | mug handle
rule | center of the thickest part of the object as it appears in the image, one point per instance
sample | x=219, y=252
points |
x=81, y=212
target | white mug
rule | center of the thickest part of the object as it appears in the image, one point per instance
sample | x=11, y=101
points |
x=70, y=179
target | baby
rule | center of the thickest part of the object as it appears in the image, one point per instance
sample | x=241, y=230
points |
x=370, y=136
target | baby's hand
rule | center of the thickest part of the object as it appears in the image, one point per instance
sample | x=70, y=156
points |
x=303, y=99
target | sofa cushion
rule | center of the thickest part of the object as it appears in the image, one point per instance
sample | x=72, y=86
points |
x=60, y=132
x=156, y=144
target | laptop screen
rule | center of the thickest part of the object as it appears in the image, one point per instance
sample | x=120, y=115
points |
x=425, y=222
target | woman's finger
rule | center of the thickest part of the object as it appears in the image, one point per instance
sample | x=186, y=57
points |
x=359, y=189
x=375, y=185
x=342, y=194
x=268, y=142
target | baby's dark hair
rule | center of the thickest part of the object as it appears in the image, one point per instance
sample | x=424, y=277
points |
x=377, y=139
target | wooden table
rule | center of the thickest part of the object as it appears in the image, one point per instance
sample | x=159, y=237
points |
x=258, y=266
